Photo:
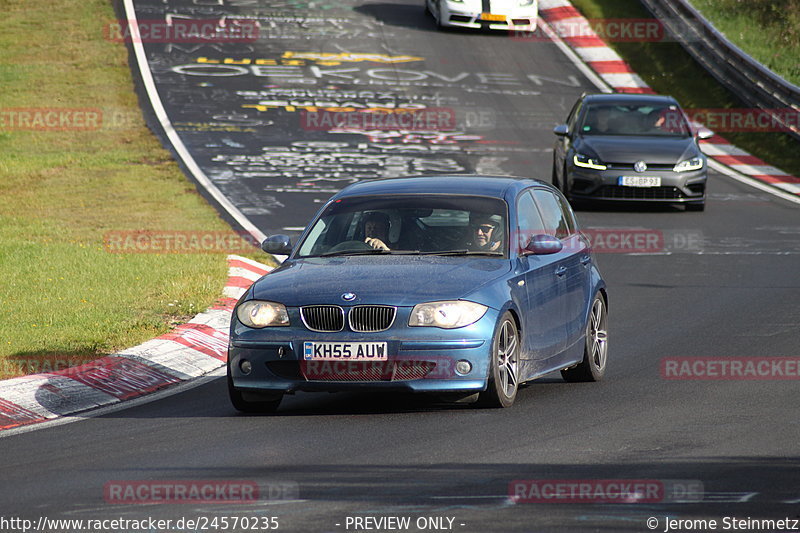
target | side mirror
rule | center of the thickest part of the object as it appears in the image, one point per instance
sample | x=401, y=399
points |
x=562, y=130
x=544, y=245
x=277, y=245
x=704, y=133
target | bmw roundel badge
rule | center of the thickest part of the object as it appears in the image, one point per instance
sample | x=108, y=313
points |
x=348, y=297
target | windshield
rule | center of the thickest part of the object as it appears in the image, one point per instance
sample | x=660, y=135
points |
x=634, y=120
x=409, y=224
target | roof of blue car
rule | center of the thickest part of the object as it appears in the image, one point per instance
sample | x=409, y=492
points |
x=457, y=184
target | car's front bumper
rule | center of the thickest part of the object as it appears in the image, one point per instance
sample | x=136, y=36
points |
x=419, y=359
x=521, y=19
x=676, y=187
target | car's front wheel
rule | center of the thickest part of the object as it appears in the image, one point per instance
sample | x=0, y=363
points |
x=268, y=403
x=595, y=353
x=437, y=14
x=504, y=366
x=554, y=177
x=563, y=185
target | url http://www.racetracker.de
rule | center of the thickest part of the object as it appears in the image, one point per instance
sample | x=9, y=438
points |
x=150, y=525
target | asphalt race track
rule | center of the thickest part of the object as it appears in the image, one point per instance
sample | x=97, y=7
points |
x=719, y=284
x=251, y=113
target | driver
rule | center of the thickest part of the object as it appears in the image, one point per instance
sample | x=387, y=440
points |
x=667, y=120
x=376, y=230
x=486, y=232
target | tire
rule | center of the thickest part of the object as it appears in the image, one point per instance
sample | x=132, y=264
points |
x=595, y=351
x=554, y=177
x=563, y=186
x=701, y=206
x=437, y=15
x=268, y=405
x=504, y=366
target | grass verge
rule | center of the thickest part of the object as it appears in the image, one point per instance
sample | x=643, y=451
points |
x=67, y=181
x=668, y=69
x=767, y=30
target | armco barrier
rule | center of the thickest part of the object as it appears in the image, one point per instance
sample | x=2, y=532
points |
x=741, y=74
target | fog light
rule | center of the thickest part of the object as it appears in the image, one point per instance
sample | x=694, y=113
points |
x=463, y=367
x=245, y=366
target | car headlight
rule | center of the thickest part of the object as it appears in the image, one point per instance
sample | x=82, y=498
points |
x=585, y=161
x=526, y=3
x=695, y=163
x=447, y=315
x=261, y=314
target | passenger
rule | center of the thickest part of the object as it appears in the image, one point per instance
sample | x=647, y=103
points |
x=376, y=230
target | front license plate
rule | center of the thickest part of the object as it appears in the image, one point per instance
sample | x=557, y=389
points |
x=640, y=181
x=492, y=17
x=345, y=351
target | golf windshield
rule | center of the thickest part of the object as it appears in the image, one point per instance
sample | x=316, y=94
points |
x=661, y=121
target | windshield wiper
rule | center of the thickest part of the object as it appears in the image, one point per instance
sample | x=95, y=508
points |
x=465, y=252
x=367, y=252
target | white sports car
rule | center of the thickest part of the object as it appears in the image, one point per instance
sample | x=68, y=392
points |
x=517, y=15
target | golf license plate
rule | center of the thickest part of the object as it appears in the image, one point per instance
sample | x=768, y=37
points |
x=345, y=351
x=492, y=17
x=640, y=181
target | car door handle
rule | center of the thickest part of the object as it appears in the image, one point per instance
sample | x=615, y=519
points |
x=560, y=271
x=586, y=259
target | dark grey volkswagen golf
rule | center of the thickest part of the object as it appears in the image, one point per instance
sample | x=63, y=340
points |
x=630, y=147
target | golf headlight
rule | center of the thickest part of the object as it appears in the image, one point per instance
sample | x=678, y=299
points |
x=447, y=314
x=585, y=161
x=695, y=163
x=261, y=314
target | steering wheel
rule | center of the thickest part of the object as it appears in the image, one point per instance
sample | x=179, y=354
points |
x=353, y=246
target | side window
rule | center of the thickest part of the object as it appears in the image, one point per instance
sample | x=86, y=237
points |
x=568, y=214
x=552, y=214
x=573, y=115
x=529, y=221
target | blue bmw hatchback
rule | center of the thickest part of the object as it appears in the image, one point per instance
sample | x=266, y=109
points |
x=463, y=285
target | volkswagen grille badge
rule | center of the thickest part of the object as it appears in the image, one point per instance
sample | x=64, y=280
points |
x=348, y=297
x=640, y=166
